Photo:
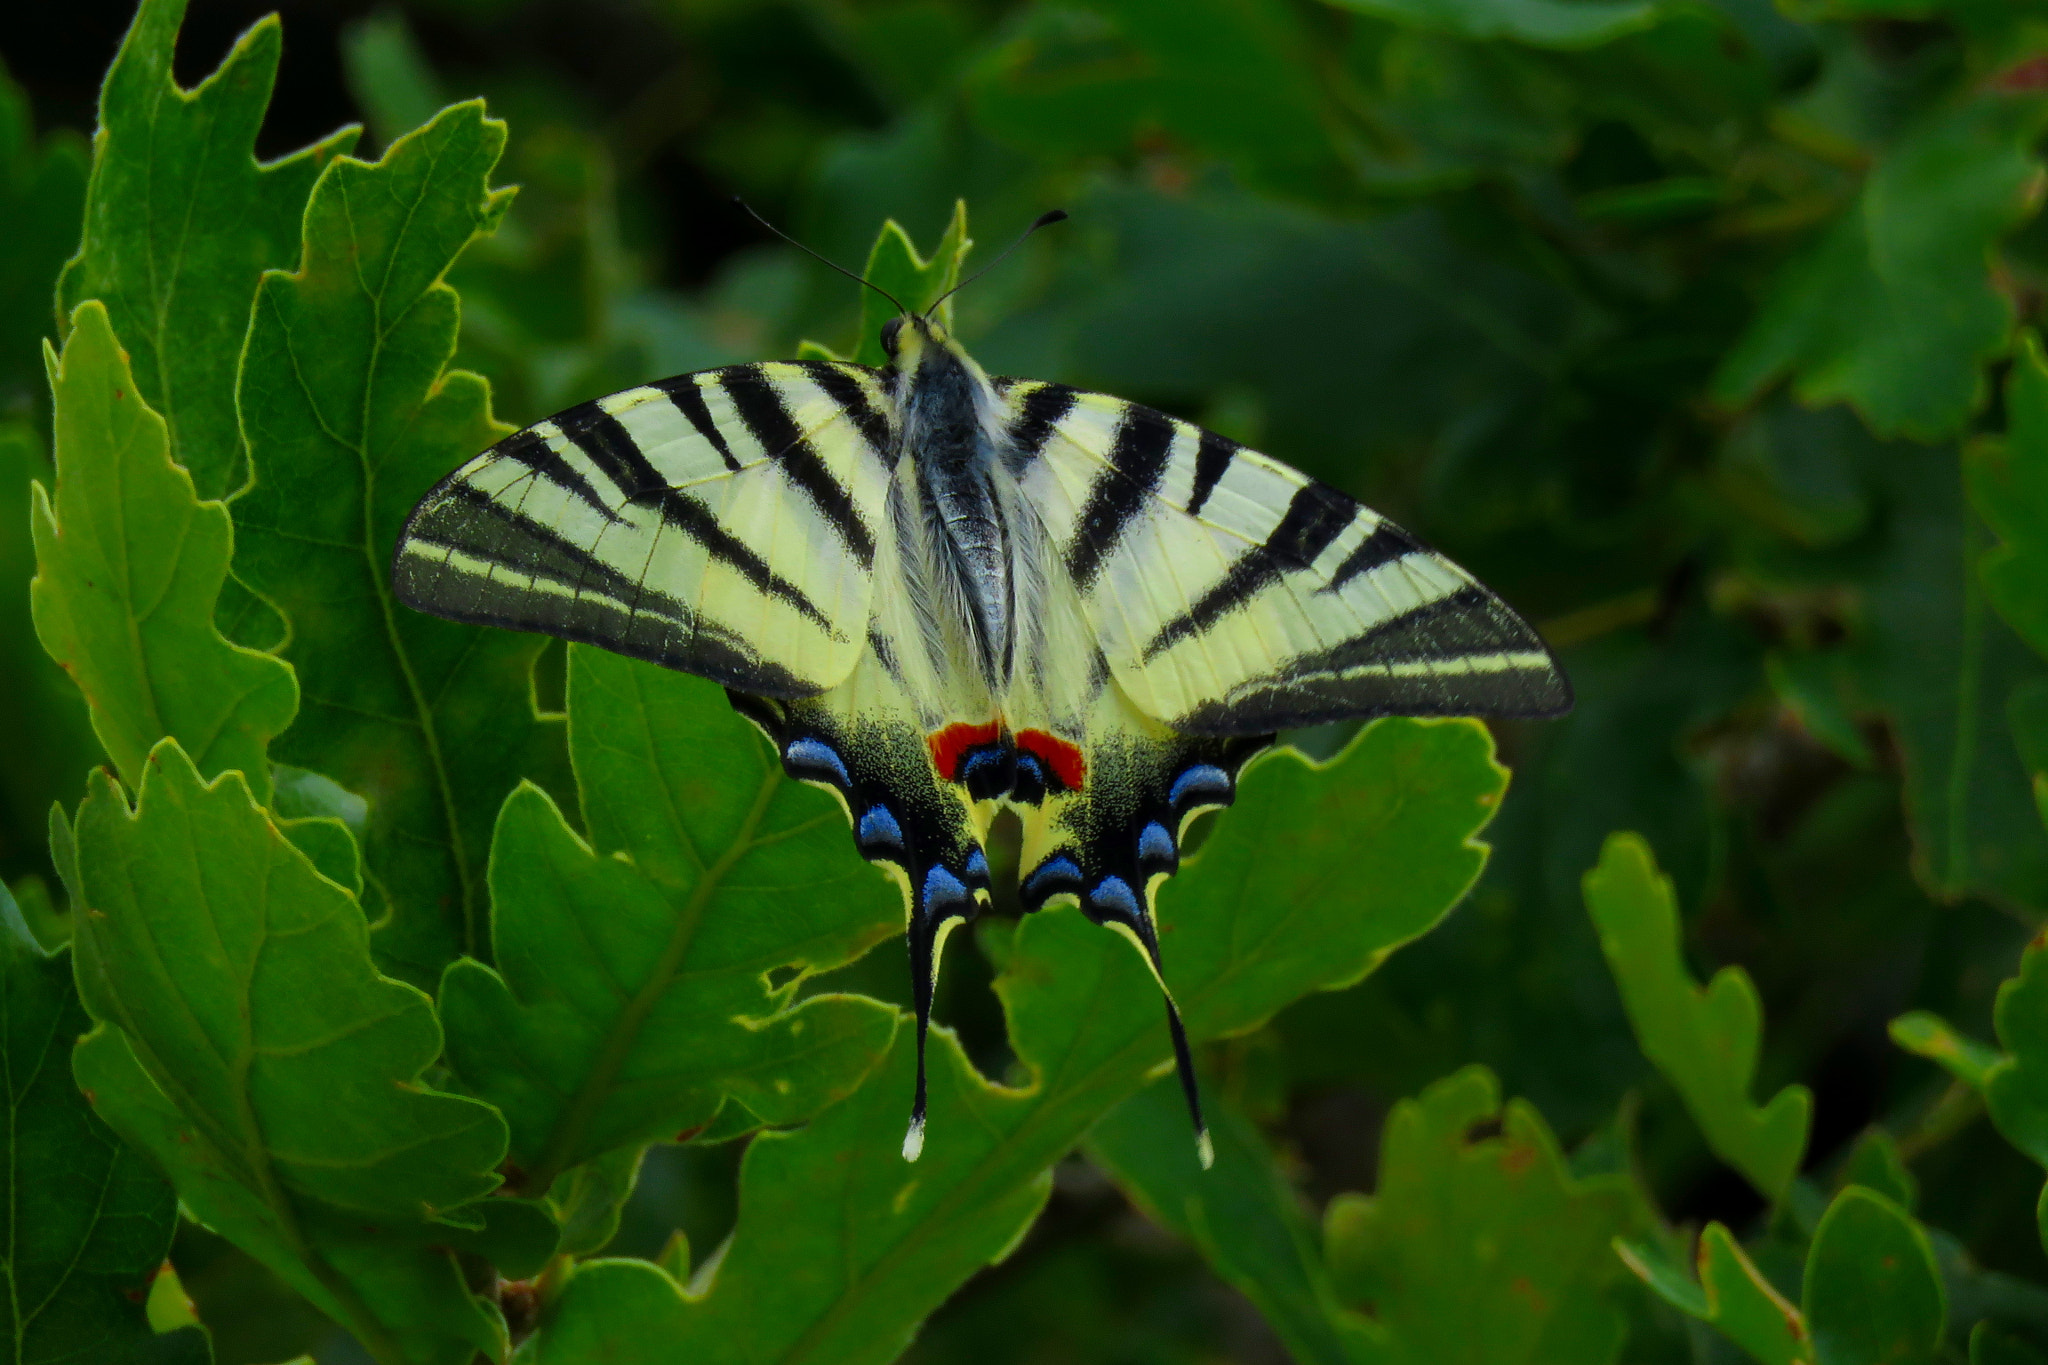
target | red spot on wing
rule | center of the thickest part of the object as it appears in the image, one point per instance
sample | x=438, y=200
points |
x=1062, y=760
x=951, y=744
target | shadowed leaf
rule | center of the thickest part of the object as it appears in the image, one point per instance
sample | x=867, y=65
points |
x=1484, y=1251
x=2009, y=489
x=1895, y=310
x=180, y=221
x=1873, y=1294
x=89, y=1223
x=1242, y=1214
x=1731, y=1293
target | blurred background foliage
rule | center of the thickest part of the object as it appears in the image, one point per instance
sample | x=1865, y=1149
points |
x=1680, y=322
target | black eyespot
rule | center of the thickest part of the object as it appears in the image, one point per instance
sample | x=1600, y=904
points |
x=890, y=329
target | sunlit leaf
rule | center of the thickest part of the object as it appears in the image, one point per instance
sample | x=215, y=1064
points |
x=632, y=988
x=842, y=1247
x=351, y=416
x=1704, y=1040
x=248, y=1046
x=129, y=562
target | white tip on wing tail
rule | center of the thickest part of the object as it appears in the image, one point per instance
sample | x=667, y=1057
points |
x=1233, y=595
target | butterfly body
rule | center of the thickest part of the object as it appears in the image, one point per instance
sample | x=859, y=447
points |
x=943, y=595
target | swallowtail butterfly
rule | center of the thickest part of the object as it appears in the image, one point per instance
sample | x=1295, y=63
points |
x=942, y=594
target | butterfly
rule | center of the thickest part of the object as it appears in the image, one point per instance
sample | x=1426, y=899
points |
x=943, y=595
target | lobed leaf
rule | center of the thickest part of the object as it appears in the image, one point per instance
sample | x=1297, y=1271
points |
x=2008, y=483
x=351, y=415
x=129, y=564
x=1894, y=311
x=632, y=992
x=246, y=1044
x=1243, y=1215
x=1485, y=1251
x=1731, y=1294
x=1319, y=872
x=918, y=281
x=89, y=1223
x=181, y=220
x=1704, y=1041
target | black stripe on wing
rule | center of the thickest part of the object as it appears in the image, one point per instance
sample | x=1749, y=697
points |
x=1213, y=455
x=761, y=407
x=1037, y=418
x=1315, y=517
x=844, y=388
x=684, y=392
x=1137, y=461
x=1465, y=654
x=612, y=449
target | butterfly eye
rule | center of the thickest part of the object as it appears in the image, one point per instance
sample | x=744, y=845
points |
x=890, y=331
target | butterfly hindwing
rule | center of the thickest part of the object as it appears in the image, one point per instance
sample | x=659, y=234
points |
x=1233, y=595
x=723, y=523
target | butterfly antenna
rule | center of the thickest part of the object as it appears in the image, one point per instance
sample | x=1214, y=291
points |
x=1044, y=220
x=857, y=279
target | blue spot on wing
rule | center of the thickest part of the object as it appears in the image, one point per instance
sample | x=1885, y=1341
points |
x=1051, y=876
x=878, y=828
x=1155, y=845
x=944, y=894
x=1113, y=895
x=815, y=760
x=1203, y=782
x=977, y=864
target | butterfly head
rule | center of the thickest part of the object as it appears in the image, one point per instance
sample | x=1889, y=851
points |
x=909, y=340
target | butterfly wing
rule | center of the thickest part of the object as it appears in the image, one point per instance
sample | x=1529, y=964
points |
x=722, y=523
x=1233, y=595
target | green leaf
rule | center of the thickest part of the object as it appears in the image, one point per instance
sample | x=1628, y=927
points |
x=129, y=562
x=247, y=1044
x=2008, y=483
x=632, y=989
x=1894, y=311
x=1731, y=1294
x=89, y=1222
x=1317, y=874
x=917, y=281
x=1243, y=1215
x=1539, y=23
x=1485, y=1251
x=42, y=198
x=179, y=297
x=1705, y=1042
x=351, y=416
x=1873, y=1294
x=1925, y=1034
x=2016, y=1086
x=53, y=741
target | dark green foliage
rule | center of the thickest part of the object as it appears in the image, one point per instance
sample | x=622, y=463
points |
x=444, y=977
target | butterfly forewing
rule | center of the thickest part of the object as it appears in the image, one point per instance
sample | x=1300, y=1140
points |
x=722, y=523
x=1232, y=595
